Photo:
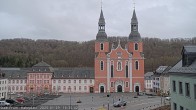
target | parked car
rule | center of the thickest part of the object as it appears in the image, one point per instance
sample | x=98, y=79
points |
x=120, y=103
x=4, y=103
x=168, y=98
x=20, y=100
x=135, y=96
x=11, y=101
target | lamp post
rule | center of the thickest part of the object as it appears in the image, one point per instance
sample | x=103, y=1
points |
x=70, y=97
x=108, y=104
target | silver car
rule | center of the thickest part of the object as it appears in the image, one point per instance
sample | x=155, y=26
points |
x=120, y=103
x=4, y=103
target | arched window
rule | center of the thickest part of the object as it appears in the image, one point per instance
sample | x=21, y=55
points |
x=101, y=65
x=136, y=46
x=119, y=65
x=101, y=46
x=112, y=69
x=136, y=65
x=127, y=70
x=64, y=88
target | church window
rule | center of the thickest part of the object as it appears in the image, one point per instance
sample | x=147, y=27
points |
x=101, y=65
x=126, y=71
x=102, y=46
x=112, y=69
x=136, y=65
x=136, y=46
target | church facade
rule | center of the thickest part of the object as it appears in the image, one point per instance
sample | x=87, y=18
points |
x=119, y=69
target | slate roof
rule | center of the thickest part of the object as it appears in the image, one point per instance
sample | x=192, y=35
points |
x=179, y=69
x=101, y=19
x=15, y=74
x=189, y=49
x=161, y=69
x=42, y=67
x=74, y=73
x=149, y=76
x=42, y=64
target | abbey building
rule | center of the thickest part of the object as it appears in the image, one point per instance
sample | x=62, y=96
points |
x=119, y=69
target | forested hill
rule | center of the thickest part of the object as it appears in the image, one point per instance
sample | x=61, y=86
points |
x=59, y=53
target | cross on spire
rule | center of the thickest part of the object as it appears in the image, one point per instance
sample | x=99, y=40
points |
x=133, y=4
x=101, y=4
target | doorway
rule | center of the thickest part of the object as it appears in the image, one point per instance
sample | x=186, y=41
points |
x=137, y=89
x=91, y=89
x=102, y=89
x=119, y=88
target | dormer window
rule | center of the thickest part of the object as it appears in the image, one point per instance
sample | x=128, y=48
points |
x=101, y=46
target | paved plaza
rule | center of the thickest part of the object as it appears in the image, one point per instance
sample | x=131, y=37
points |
x=98, y=101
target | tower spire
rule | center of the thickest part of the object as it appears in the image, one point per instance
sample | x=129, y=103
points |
x=101, y=35
x=134, y=35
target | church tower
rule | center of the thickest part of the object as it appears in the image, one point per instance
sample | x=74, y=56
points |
x=135, y=46
x=101, y=49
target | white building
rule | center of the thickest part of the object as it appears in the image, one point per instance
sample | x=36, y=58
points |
x=3, y=88
x=16, y=80
x=148, y=80
x=79, y=80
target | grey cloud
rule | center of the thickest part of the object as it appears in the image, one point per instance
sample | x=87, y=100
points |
x=77, y=19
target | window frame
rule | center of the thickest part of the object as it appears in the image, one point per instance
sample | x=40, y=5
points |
x=101, y=46
x=136, y=46
x=174, y=86
x=136, y=65
x=119, y=67
x=180, y=87
x=187, y=93
x=102, y=65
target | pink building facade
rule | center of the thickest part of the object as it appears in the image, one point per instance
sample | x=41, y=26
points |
x=39, y=79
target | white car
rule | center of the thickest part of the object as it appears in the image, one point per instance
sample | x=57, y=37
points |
x=168, y=98
x=4, y=103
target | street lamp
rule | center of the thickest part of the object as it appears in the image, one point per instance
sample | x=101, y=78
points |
x=108, y=104
x=69, y=89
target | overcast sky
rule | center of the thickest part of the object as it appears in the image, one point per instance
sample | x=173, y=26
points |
x=77, y=20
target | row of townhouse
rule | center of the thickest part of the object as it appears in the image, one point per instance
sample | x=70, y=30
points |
x=158, y=81
x=178, y=81
x=42, y=78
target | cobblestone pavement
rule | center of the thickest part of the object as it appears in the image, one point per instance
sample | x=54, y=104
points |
x=98, y=101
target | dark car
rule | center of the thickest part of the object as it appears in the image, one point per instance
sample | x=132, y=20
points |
x=120, y=103
x=11, y=101
x=20, y=100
